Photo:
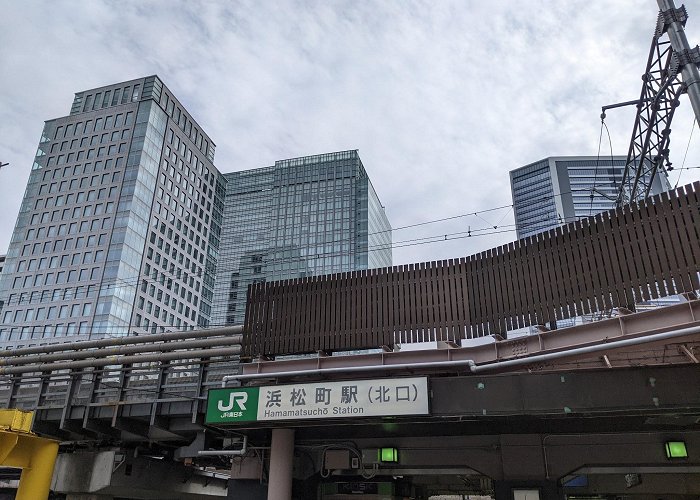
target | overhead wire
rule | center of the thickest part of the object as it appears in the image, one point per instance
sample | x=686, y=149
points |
x=113, y=284
x=612, y=157
x=492, y=230
x=597, y=161
x=400, y=244
x=685, y=156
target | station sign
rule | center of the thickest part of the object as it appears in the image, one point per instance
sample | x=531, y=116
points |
x=319, y=400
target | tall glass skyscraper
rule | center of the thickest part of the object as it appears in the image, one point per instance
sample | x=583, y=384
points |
x=558, y=189
x=118, y=231
x=120, y=228
x=301, y=217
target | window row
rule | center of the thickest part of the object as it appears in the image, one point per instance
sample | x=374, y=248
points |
x=154, y=327
x=47, y=313
x=87, y=141
x=81, y=196
x=60, y=261
x=173, y=306
x=46, y=331
x=67, y=244
x=58, y=278
x=96, y=125
x=72, y=227
x=80, y=169
x=81, y=183
x=87, y=154
x=171, y=285
x=55, y=295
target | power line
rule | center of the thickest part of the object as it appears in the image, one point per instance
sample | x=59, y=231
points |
x=597, y=160
x=413, y=242
x=486, y=231
x=113, y=284
x=680, y=173
x=160, y=277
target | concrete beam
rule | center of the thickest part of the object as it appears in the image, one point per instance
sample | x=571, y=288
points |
x=120, y=474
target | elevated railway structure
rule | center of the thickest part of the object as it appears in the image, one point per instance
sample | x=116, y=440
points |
x=160, y=394
x=565, y=396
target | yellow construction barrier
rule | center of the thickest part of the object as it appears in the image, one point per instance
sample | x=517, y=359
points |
x=21, y=448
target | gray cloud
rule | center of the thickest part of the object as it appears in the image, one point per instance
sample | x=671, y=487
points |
x=441, y=98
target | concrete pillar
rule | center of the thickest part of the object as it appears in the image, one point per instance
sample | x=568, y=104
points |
x=281, y=465
x=246, y=479
x=246, y=489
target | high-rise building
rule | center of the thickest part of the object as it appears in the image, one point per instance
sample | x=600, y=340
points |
x=557, y=190
x=301, y=217
x=118, y=231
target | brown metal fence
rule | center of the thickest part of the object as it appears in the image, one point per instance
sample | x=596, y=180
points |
x=638, y=252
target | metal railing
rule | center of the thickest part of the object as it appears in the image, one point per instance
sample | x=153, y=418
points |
x=157, y=370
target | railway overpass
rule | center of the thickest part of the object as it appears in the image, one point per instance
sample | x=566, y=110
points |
x=591, y=407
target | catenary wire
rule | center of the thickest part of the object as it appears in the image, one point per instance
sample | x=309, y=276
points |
x=112, y=284
x=680, y=173
x=597, y=161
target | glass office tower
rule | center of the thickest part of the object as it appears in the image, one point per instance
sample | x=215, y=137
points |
x=118, y=231
x=557, y=190
x=301, y=217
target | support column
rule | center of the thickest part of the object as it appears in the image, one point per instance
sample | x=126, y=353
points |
x=246, y=479
x=281, y=465
x=35, y=480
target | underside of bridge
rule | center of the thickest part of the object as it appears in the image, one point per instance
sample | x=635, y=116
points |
x=593, y=434
x=588, y=434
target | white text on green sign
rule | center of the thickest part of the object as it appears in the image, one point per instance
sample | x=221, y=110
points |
x=356, y=398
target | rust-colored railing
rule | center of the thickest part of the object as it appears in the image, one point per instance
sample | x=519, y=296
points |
x=638, y=252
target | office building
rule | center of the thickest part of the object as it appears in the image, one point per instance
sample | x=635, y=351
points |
x=118, y=231
x=557, y=190
x=301, y=217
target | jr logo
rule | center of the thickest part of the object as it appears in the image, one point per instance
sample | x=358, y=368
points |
x=235, y=399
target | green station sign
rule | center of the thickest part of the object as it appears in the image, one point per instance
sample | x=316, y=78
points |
x=233, y=405
x=320, y=400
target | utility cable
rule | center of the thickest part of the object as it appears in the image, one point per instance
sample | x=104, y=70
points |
x=612, y=157
x=597, y=161
x=113, y=284
x=680, y=173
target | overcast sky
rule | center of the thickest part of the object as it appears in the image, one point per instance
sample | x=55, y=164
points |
x=441, y=98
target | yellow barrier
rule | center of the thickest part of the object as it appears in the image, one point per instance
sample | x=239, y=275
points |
x=36, y=456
